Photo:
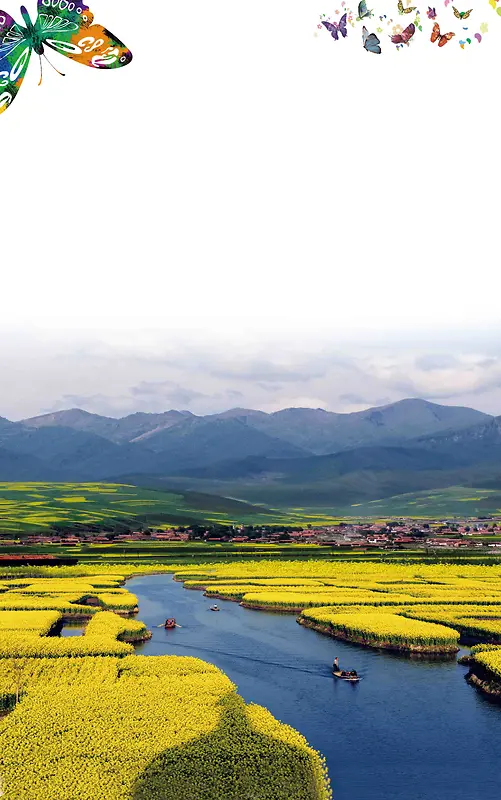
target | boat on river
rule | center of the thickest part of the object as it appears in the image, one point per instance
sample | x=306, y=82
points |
x=345, y=676
x=170, y=623
x=214, y=608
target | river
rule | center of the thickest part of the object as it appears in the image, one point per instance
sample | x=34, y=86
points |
x=410, y=730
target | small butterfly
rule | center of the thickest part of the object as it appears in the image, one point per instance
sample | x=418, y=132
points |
x=461, y=14
x=363, y=11
x=443, y=38
x=64, y=26
x=336, y=28
x=403, y=10
x=405, y=36
x=431, y=13
x=370, y=41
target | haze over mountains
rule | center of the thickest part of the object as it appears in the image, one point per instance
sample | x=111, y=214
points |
x=296, y=456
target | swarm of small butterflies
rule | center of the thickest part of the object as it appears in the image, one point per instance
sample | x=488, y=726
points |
x=402, y=35
x=62, y=25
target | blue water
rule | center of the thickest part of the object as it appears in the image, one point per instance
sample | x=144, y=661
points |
x=410, y=730
x=72, y=630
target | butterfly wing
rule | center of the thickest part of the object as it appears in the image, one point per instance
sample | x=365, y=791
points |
x=466, y=14
x=15, y=54
x=342, y=26
x=400, y=6
x=456, y=13
x=332, y=28
x=445, y=37
x=408, y=33
x=435, y=34
x=363, y=11
x=372, y=43
x=69, y=28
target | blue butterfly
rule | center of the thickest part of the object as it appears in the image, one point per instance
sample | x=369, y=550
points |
x=370, y=41
x=363, y=11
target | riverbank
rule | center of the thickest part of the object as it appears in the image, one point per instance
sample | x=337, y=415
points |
x=410, y=648
x=484, y=681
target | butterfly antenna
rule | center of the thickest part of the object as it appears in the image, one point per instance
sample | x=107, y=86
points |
x=52, y=65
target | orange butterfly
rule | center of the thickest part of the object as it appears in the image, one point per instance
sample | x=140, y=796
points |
x=443, y=38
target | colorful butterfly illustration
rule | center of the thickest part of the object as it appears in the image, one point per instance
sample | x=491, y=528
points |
x=64, y=26
x=431, y=13
x=363, y=11
x=461, y=14
x=370, y=41
x=402, y=10
x=443, y=38
x=336, y=28
x=405, y=36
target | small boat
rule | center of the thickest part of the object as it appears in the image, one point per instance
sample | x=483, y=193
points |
x=170, y=623
x=214, y=608
x=345, y=676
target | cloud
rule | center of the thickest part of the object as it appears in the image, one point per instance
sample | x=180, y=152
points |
x=166, y=392
x=436, y=361
x=261, y=370
x=353, y=399
x=115, y=375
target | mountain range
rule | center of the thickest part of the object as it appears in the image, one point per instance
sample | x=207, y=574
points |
x=293, y=457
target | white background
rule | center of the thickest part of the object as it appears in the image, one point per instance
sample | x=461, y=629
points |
x=244, y=178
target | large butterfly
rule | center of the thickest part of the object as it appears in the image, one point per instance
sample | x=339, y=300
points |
x=461, y=14
x=370, y=41
x=363, y=11
x=443, y=38
x=336, y=28
x=63, y=26
x=402, y=10
x=405, y=36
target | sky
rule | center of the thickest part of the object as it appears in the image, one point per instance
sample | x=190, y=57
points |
x=252, y=214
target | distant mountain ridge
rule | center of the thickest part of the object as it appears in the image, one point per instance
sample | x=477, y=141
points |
x=314, y=430
x=288, y=457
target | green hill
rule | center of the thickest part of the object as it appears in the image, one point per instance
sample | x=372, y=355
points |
x=32, y=507
x=454, y=501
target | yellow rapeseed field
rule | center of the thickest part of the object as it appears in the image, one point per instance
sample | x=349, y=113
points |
x=89, y=720
x=397, y=601
x=147, y=728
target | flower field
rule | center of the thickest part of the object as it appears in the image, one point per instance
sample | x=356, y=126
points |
x=167, y=727
x=491, y=661
x=101, y=636
x=147, y=728
x=386, y=630
x=89, y=719
x=69, y=595
x=402, y=606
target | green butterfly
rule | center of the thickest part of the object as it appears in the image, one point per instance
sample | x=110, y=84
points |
x=63, y=25
x=461, y=14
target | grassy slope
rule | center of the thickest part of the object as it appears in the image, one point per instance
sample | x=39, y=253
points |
x=454, y=501
x=34, y=506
